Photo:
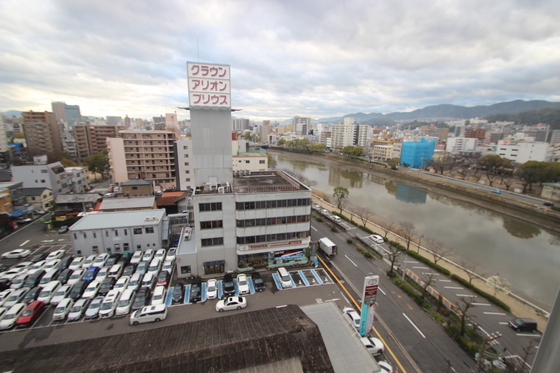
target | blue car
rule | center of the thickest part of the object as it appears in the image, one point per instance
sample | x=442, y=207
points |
x=91, y=273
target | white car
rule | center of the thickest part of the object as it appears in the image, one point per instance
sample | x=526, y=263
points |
x=36, y=266
x=212, y=289
x=377, y=239
x=352, y=316
x=11, y=316
x=18, y=281
x=158, y=296
x=63, y=309
x=77, y=263
x=78, y=309
x=385, y=366
x=160, y=254
x=101, y=260
x=242, y=284
x=61, y=293
x=76, y=276
x=11, y=274
x=373, y=345
x=88, y=262
x=125, y=302
x=135, y=281
x=51, y=264
x=15, y=297
x=231, y=303
x=4, y=295
x=122, y=284
x=109, y=304
x=171, y=253
x=57, y=254
x=148, y=255
x=23, y=266
x=168, y=266
x=102, y=274
x=91, y=290
x=16, y=254
x=136, y=257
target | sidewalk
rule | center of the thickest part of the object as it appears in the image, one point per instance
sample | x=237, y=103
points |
x=518, y=307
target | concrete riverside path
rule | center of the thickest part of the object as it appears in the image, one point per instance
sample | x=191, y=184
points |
x=519, y=307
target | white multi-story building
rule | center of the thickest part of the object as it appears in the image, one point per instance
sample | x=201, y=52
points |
x=342, y=134
x=364, y=134
x=457, y=145
x=525, y=151
x=52, y=176
x=382, y=152
x=79, y=179
x=183, y=164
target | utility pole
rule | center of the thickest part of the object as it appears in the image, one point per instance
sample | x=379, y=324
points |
x=485, y=345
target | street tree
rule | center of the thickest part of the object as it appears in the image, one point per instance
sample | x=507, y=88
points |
x=463, y=306
x=437, y=249
x=369, y=153
x=364, y=213
x=470, y=269
x=493, y=165
x=393, y=163
x=408, y=230
x=530, y=172
x=271, y=161
x=393, y=253
x=97, y=163
x=427, y=279
x=281, y=142
x=499, y=284
x=388, y=226
x=341, y=197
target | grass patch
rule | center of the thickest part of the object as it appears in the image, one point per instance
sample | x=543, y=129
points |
x=482, y=293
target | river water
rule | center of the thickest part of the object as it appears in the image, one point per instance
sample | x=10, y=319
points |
x=525, y=254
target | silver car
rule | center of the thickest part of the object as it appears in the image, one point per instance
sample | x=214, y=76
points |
x=92, y=311
x=78, y=309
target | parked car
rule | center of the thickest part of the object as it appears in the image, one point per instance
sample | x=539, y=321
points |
x=52, y=264
x=4, y=295
x=154, y=267
x=15, y=297
x=92, y=311
x=158, y=297
x=149, y=281
x=30, y=313
x=65, y=262
x=135, y=281
x=32, y=295
x=168, y=266
x=77, y=263
x=91, y=273
x=163, y=278
x=37, y=266
x=228, y=285
x=231, y=303
x=88, y=262
x=258, y=282
x=113, y=259
x=51, y=275
x=91, y=290
x=62, y=309
x=377, y=239
x=142, y=268
x=75, y=276
x=38, y=257
x=171, y=253
x=101, y=260
x=352, y=317
x=16, y=254
x=102, y=274
x=78, y=289
x=10, y=317
x=34, y=278
x=5, y=283
x=160, y=254
x=78, y=309
x=212, y=289
x=122, y=284
x=149, y=314
x=22, y=266
x=523, y=324
x=141, y=299
x=385, y=366
x=243, y=284
x=196, y=291
x=63, y=229
x=137, y=257
x=125, y=302
x=373, y=345
x=65, y=275
x=178, y=293
x=148, y=255
x=48, y=291
x=109, y=304
x=61, y=293
x=129, y=270
x=57, y=254
x=107, y=285
x=18, y=281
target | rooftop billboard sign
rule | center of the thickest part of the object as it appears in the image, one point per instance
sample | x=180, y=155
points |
x=209, y=85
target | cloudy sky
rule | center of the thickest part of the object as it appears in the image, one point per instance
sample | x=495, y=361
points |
x=317, y=58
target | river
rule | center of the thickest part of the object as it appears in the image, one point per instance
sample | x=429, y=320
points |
x=526, y=255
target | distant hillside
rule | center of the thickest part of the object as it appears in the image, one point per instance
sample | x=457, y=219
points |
x=452, y=111
x=549, y=115
x=11, y=113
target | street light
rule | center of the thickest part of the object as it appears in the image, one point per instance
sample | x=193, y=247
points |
x=404, y=266
x=419, y=242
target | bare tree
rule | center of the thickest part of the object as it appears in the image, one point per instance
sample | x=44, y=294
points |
x=476, y=175
x=427, y=278
x=507, y=180
x=499, y=284
x=470, y=269
x=464, y=172
x=527, y=351
x=393, y=254
x=364, y=213
x=341, y=197
x=464, y=305
x=369, y=153
x=388, y=226
x=437, y=249
x=408, y=230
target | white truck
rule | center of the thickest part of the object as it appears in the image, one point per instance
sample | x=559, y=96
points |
x=328, y=247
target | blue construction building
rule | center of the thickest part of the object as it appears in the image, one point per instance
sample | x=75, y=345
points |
x=415, y=154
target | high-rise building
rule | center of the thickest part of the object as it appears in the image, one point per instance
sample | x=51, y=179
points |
x=146, y=155
x=342, y=134
x=301, y=125
x=42, y=133
x=240, y=124
x=58, y=110
x=265, y=131
x=91, y=139
x=114, y=121
x=171, y=121
x=72, y=115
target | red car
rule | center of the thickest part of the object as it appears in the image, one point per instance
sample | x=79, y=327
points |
x=30, y=314
x=163, y=278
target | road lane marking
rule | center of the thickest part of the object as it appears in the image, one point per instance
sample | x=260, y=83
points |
x=355, y=265
x=494, y=313
x=503, y=323
x=440, y=280
x=466, y=295
x=24, y=243
x=481, y=304
x=453, y=287
x=381, y=290
x=421, y=267
x=315, y=229
x=418, y=330
x=408, y=305
x=529, y=335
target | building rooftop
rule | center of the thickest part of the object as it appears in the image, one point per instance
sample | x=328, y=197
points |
x=170, y=198
x=265, y=181
x=258, y=341
x=34, y=191
x=106, y=220
x=77, y=198
x=136, y=182
x=123, y=203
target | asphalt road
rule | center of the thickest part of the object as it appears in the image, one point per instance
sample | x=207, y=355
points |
x=418, y=335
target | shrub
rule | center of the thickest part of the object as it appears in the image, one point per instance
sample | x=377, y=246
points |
x=333, y=229
x=349, y=241
x=482, y=293
x=428, y=262
x=366, y=229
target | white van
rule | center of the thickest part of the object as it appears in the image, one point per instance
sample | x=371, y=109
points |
x=125, y=302
x=148, y=281
x=154, y=266
x=48, y=291
x=284, y=277
x=336, y=219
x=149, y=314
x=109, y=304
x=135, y=281
x=115, y=271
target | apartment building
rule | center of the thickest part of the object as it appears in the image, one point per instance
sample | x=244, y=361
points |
x=342, y=134
x=456, y=145
x=42, y=133
x=522, y=152
x=146, y=155
x=79, y=181
x=52, y=176
x=91, y=139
